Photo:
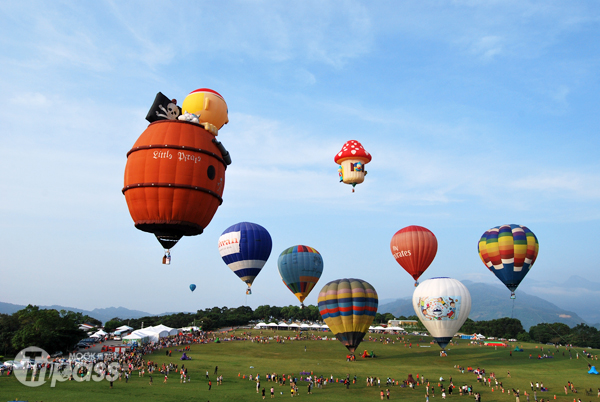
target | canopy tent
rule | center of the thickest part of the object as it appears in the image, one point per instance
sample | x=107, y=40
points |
x=593, y=370
x=315, y=326
x=272, y=325
x=282, y=324
x=394, y=329
x=304, y=326
x=161, y=328
x=293, y=325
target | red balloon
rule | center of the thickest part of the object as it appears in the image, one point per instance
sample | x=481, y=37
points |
x=414, y=248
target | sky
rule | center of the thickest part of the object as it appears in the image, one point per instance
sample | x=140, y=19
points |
x=476, y=114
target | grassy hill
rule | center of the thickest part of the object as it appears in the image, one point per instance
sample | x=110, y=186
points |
x=395, y=360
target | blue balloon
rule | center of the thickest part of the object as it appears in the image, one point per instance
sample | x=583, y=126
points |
x=192, y=287
x=245, y=247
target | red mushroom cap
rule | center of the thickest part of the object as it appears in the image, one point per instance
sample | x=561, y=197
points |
x=353, y=150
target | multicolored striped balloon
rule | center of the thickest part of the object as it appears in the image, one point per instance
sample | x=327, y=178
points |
x=348, y=307
x=509, y=251
x=300, y=268
x=245, y=247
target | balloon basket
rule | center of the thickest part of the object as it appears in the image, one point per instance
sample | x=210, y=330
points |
x=512, y=295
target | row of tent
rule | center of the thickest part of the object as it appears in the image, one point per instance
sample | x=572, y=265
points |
x=317, y=326
x=151, y=334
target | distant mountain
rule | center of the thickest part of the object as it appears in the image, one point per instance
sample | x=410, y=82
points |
x=576, y=294
x=490, y=302
x=102, y=314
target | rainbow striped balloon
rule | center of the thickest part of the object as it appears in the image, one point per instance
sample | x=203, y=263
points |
x=509, y=251
x=348, y=307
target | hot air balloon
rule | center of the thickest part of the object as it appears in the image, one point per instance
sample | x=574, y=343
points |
x=348, y=307
x=300, y=268
x=509, y=251
x=414, y=248
x=192, y=287
x=352, y=160
x=175, y=176
x=245, y=247
x=442, y=305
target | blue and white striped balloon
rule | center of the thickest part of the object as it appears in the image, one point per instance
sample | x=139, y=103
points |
x=245, y=247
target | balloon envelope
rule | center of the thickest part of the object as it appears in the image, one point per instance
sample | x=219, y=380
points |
x=245, y=247
x=442, y=305
x=192, y=287
x=300, y=268
x=174, y=180
x=348, y=307
x=414, y=248
x=509, y=251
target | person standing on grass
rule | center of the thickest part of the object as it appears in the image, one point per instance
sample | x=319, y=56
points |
x=263, y=393
x=150, y=383
x=272, y=392
x=209, y=384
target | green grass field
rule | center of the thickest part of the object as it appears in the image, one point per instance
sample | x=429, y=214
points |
x=328, y=357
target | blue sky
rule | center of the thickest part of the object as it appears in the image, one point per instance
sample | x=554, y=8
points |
x=477, y=114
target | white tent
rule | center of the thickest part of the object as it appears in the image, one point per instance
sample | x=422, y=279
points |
x=316, y=326
x=171, y=331
x=101, y=332
x=294, y=325
x=325, y=326
x=304, y=326
x=272, y=325
x=282, y=324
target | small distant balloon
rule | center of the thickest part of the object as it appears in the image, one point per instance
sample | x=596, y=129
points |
x=192, y=287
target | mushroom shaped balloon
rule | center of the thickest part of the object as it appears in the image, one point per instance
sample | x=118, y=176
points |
x=442, y=305
x=300, y=268
x=414, y=248
x=352, y=159
x=348, y=307
x=509, y=251
x=245, y=247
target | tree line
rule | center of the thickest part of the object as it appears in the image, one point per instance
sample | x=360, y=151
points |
x=556, y=333
x=50, y=330
x=54, y=330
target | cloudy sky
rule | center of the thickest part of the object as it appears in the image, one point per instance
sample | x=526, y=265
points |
x=477, y=114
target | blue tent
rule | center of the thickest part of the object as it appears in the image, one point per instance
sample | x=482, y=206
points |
x=593, y=370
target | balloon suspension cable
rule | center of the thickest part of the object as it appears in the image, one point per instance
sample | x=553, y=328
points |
x=167, y=257
x=512, y=312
